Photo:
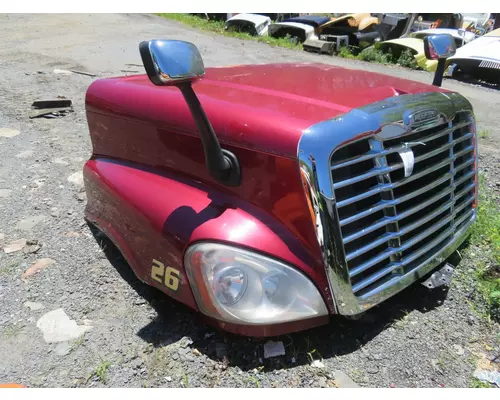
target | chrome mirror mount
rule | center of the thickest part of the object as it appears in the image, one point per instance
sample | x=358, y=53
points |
x=439, y=47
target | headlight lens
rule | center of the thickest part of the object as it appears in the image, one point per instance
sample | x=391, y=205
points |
x=240, y=286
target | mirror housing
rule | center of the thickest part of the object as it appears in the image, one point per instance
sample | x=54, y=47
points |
x=439, y=47
x=168, y=62
x=178, y=63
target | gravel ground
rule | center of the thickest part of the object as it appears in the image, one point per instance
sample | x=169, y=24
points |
x=119, y=332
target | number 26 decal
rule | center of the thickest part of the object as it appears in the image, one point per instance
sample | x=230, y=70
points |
x=166, y=276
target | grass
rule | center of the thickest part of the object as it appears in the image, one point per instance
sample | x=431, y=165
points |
x=486, y=236
x=10, y=266
x=101, y=372
x=185, y=381
x=476, y=383
x=12, y=330
x=374, y=54
x=254, y=380
x=218, y=27
x=483, y=133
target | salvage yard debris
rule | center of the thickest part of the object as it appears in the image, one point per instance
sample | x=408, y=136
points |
x=8, y=132
x=52, y=108
x=273, y=349
x=488, y=376
x=37, y=266
x=388, y=38
x=57, y=327
x=16, y=245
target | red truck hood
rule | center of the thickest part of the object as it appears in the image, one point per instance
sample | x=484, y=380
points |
x=332, y=90
x=264, y=107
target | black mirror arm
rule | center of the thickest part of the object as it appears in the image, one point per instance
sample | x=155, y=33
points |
x=222, y=164
x=438, y=75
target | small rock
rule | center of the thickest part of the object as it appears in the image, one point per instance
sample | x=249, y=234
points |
x=54, y=212
x=62, y=349
x=185, y=342
x=140, y=301
x=274, y=349
x=33, y=306
x=8, y=132
x=207, y=335
x=372, y=369
x=317, y=364
x=459, y=349
x=14, y=246
x=196, y=352
x=81, y=196
x=175, y=356
x=62, y=72
x=59, y=161
x=72, y=234
x=37, y=266
x=4, y=193
x=183, y=350
x=29, y=223
x=342, y=380
x=168, y=379
x=32, y=246
x=25, y=154
x=56, y=327
x=70, y=212
x=322, y=382
x=76, y=178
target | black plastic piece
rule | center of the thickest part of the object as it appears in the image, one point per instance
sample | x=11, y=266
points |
x=223, y=165
x=148, y=63
x=438, y=76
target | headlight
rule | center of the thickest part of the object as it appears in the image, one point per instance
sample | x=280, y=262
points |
x=240, y=286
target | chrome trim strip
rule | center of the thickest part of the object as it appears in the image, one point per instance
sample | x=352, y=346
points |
x=370, y=154
x=383, y=120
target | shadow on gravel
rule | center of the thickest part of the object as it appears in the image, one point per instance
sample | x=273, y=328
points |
x=341, y=336
x=471, y=80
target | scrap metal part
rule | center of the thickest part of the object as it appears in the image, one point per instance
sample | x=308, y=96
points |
x=440, y=277
x=319, y=46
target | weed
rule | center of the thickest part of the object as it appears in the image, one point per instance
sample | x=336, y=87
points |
x=254, y=380
x=77, y=343
x=483, y=133
x=406, y=59
x=486, y=236
x=10, y=266
x=101, y=372
x=372, y=54
x=12, y=330
x=185, y=380
x=347, y=52
x=476, y=383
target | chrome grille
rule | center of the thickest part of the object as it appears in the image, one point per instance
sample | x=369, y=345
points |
x=391, y=225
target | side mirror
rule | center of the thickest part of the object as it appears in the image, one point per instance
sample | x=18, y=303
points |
x=178, y=63
x=168, y=62
x=439, y=47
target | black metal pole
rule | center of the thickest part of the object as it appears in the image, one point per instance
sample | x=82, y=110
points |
x=438, y=76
